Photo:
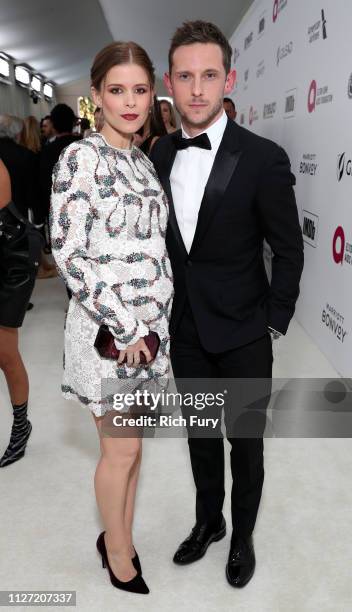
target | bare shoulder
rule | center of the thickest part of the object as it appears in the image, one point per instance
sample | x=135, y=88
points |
x=5, y=185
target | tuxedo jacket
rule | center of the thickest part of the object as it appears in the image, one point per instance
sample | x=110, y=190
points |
x=248, y=197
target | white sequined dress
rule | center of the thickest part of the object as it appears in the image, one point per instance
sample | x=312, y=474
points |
x=108, y=222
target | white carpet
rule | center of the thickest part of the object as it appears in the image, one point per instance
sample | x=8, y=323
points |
x=49, y=522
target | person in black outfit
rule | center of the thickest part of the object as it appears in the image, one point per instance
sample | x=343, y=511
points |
x=22, y=166
x=20, y=246
x=230, y=108
x=46, y=130
x=228, y=190
x=154, y=128
x=63, y=120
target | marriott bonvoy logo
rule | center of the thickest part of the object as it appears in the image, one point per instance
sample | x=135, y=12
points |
x=334, y=321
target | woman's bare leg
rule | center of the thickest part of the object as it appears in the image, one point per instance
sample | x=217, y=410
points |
x=112, y=479
x=17, y=381
x=12, y=365
x=130, y=501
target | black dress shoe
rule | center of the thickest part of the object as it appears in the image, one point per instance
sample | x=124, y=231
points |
x=195, y=546
x=241, y=562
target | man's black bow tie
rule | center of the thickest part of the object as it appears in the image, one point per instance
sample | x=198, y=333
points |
x=202, y=141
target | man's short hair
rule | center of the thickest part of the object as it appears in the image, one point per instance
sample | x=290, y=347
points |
x=63, y=118
x=231, y=102
x=201, y=32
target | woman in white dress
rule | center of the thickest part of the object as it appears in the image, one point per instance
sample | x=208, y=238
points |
x=108, y=222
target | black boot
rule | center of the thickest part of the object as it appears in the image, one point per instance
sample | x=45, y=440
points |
x=20, y=432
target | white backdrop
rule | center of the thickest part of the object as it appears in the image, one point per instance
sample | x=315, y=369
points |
x=294, y=85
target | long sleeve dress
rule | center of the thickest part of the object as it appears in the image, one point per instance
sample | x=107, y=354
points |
x=108, y=222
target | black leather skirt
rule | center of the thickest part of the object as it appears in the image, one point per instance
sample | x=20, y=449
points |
x=20, y=253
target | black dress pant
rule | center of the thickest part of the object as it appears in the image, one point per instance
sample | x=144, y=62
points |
x=190, y=360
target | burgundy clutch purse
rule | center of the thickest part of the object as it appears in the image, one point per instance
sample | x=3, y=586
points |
x=105, y=345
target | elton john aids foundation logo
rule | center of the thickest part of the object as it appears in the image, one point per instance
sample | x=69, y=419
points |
x=312, y=96
x=278, y=6
x=341, y=250
x=318, y=96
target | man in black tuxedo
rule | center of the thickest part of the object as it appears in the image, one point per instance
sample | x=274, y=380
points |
x=228, y=190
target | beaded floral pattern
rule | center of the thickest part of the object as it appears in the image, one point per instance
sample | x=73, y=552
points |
x=108, y=222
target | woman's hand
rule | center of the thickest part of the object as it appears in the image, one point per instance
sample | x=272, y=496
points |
x=133, y=353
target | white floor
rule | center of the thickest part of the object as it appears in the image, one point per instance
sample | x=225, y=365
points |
x=49, y=522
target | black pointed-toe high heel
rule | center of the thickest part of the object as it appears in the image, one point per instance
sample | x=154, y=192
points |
x=136, y=585
x=136, y=563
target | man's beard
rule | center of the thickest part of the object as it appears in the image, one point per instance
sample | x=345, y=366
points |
x=202, y=123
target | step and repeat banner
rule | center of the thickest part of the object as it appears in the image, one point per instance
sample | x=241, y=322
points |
x=294, y=85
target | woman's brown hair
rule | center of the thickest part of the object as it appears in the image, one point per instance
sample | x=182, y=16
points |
x=118, y=53
x=173, y=122
x=30, y=135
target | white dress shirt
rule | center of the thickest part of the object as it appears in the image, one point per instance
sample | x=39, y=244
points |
x=189, y=177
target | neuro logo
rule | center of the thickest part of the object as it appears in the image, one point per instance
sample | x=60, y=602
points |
x=312, y=96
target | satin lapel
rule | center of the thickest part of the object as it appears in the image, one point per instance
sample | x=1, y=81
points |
x=164, y=171
x=224, y=166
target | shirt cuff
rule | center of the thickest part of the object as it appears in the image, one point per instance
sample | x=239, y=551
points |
x=274, y=333
x=141, y=331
